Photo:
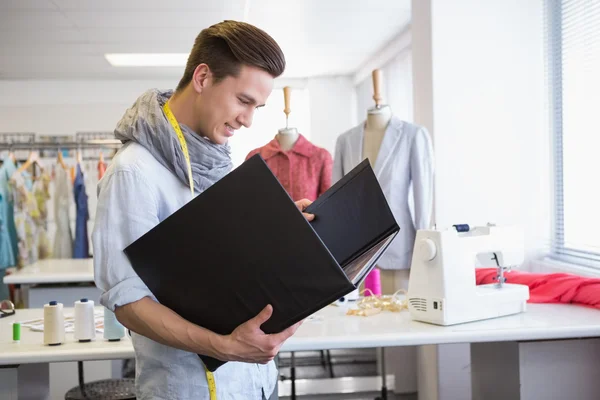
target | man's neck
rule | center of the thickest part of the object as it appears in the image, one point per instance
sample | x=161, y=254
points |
x=182, y=106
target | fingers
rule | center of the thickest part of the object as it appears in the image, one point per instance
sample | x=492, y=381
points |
x=264, y=315
x=286, y=334
x=302, y=204
x=309, y=217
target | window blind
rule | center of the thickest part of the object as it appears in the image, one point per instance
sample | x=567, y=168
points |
x=572, y=33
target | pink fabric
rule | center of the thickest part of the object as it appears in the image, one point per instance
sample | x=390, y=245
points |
x=101, y=169
x=550, y=288
x=304, y=171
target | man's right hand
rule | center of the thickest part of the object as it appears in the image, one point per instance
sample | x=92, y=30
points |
x=248, y=343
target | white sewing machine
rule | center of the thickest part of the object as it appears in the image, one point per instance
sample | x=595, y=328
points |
x=442, y=289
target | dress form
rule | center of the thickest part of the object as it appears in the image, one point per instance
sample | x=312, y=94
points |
x=376, y=124
x=287, y=137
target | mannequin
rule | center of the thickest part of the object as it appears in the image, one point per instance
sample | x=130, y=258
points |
x=303, y=169
x=287, y=137
x=376, y=124
x=402, y=157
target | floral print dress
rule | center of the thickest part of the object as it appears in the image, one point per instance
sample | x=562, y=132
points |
x=26, y=220
x=41, y=191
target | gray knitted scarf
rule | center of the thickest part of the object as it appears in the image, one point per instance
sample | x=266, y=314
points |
x=145, y=123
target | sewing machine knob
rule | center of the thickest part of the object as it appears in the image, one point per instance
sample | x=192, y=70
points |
x=427, y=249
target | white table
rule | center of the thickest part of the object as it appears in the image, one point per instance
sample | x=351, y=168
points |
x=66, y=281
x=63, y=280
x=527, y=342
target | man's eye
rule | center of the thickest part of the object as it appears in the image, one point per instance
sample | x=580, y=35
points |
x=245, y=102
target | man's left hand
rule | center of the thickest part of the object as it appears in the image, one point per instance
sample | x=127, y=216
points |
x=302, y=204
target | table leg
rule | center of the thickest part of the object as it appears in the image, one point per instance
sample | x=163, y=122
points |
x=25, y=382
x=293, y=375
x=9, y=382
x=384, y=391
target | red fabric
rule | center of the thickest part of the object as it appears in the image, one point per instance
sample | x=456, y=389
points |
x=550, y=288
x=304, y=171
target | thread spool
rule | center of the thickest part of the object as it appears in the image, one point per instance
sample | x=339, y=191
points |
x=85, y=328
x=54, y=324
x=373, y=282
x=113, y=330
x=16, y=332
x=462, y=227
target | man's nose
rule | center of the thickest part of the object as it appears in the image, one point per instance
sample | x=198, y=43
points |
x=246, y=118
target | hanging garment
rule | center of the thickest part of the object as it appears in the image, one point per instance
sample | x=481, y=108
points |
x=101, y=169
x=304, y=171
x=405, y=159
x=41, y=192
x=4, y=291
x=549, y=288
x=81, y=247
x=63, y=238
x=26, y=219
x=8, y=233
x=91, y=183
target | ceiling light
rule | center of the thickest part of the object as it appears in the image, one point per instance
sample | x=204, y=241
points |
x=147, y=59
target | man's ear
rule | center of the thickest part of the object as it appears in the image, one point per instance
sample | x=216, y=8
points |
x=201, y=78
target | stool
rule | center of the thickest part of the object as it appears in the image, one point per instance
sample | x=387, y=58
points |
x=106, y=389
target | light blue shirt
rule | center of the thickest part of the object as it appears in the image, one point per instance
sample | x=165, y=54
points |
x=134, y=195
x=9, y=249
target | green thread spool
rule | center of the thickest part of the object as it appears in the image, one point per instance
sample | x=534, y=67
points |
x=16, y=332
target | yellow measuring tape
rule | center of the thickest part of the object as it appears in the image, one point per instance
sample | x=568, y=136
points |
x=182, y=142
x=210, y=378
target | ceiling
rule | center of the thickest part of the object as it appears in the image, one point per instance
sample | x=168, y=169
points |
x=67, y=39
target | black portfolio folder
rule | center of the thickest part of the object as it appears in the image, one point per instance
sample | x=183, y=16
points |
x=243, y=244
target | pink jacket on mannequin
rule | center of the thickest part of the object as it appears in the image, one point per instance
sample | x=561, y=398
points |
x=304, y=170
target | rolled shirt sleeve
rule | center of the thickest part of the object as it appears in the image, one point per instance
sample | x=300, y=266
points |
x=126, y=210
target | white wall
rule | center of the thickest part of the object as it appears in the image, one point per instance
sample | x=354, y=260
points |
x=396, y=88
x=65, y=107
x=487, y=110
x=479, y=88
x=332, y=109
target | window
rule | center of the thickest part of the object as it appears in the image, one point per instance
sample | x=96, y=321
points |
x=572, y=32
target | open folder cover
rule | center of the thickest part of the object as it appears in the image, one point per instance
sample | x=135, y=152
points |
x=243, y=244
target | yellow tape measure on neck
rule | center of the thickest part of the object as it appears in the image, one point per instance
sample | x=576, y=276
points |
x=210, y=378
x=212, y=387
x=182, y=142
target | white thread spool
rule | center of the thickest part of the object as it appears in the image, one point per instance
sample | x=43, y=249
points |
x=54, y=324
x=113, y=330
x=85, y=328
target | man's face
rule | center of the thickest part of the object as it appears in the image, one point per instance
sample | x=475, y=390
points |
x=226, y=106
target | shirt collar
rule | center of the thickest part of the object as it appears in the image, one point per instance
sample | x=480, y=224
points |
x=302, y=147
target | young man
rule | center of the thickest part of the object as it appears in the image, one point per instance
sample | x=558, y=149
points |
x=229, y=74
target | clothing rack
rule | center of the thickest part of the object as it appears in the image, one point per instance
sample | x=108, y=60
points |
x=50, y=149
x=72, y=145
x=17, y=137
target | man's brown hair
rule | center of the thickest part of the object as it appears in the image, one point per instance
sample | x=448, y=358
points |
x=228, y=45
